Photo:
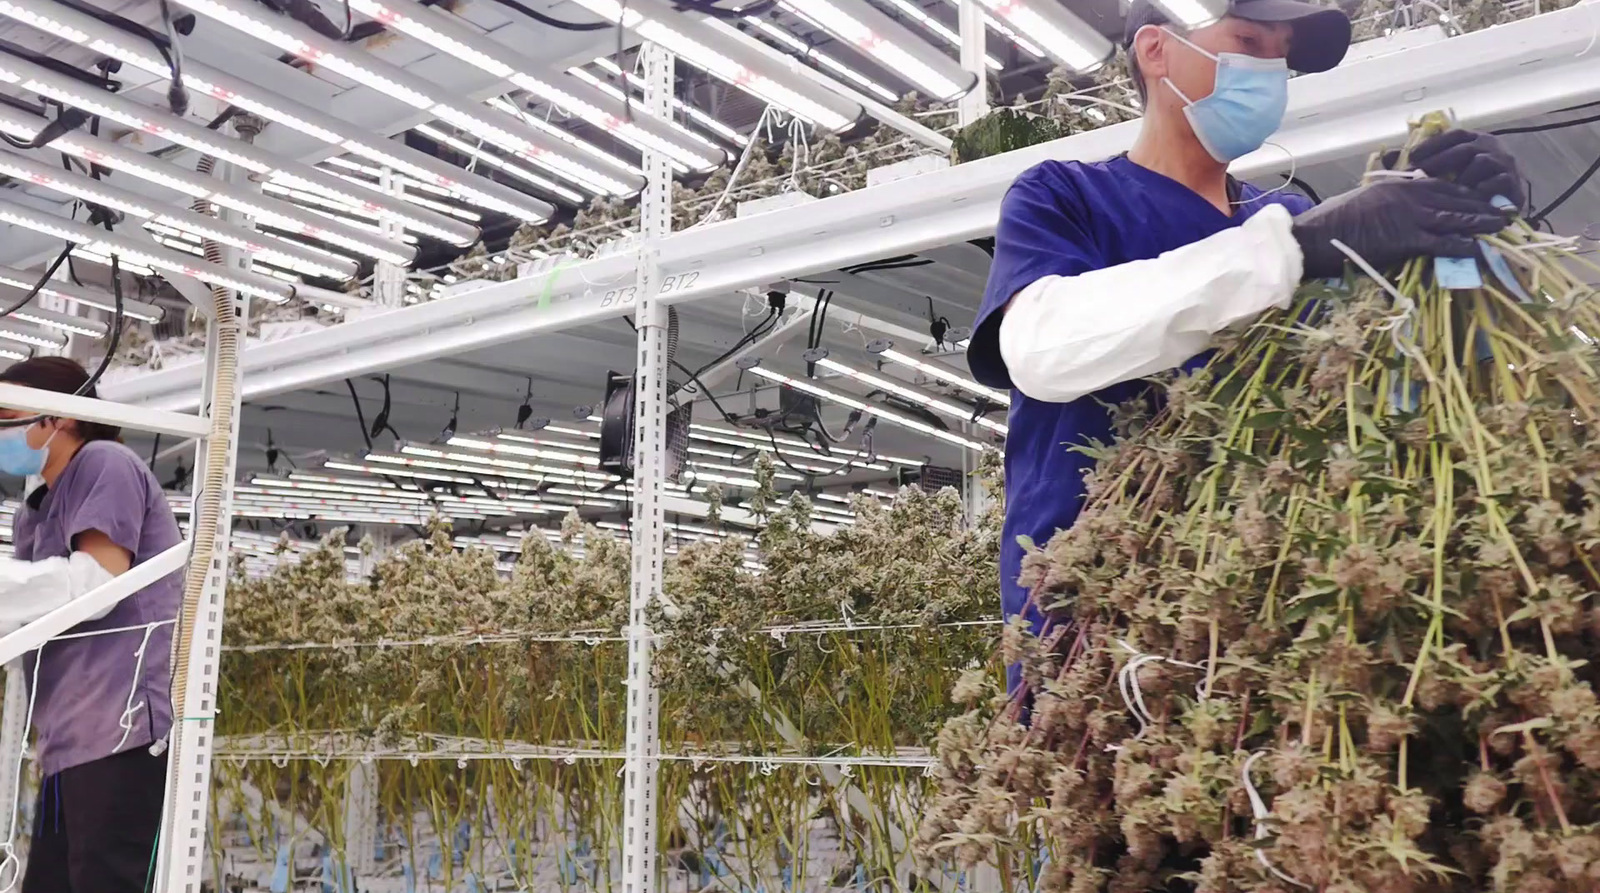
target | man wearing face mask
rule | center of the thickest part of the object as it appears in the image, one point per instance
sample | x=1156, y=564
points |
x=1110, y=271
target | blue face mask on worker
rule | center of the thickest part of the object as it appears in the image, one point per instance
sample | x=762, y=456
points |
x=1245, y=106
x=17, y=458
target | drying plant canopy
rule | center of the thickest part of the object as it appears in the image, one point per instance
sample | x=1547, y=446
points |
x=1326, y=621
x=829, y=645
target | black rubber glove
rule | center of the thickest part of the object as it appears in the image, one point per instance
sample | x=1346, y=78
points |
x=1393, y=221
x=1478, y=161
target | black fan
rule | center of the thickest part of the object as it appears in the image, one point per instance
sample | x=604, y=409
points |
x=617, y=418
x=932, y=478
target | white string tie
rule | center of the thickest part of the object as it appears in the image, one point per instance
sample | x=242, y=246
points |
x=1259, y=808
x=129, y=709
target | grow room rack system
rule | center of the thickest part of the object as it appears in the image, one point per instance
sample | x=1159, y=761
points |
x=1513, y=73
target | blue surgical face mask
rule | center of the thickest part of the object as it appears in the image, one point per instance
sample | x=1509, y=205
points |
x=1245, y=107
x=19, y=459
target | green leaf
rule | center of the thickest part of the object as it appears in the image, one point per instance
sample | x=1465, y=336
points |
x=1026, y=542
x=1274, y=418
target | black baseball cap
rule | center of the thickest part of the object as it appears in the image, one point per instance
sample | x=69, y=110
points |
x=1321, y=33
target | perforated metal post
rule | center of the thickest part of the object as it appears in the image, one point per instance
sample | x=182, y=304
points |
x=361, y=819
x=389, y=279
x=649, y=545
x=12, y=742
x=182, y=847
x=975, y=104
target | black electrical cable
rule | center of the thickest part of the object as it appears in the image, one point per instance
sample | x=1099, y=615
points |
x=1303, y=186
x=1541, y=214
x=59, y=67
x=543, y=19
x=889, y=263
x=694, y=377
x=66, y=120
x=779, y=453
x=761, y=328
x=177, y=93
x=361, y=416
x=39, y=285
x=115, y=340
x=709, y=8
x=1541, y=128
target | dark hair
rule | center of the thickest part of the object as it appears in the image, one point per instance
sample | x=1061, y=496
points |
x=64, y=376
x=1138, y=77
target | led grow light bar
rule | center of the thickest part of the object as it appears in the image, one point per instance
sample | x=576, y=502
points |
x=954, y=410
x=939, y=28
x=189, y=243
x=888, y=43
x=512, y=168
x=65, y=322
x=469, y=460
x=99, y=300
x=31, y=335
x=98, y=240
x=100, y=192
x=159, y=123
x=809, y=52
x=496, y=127
x=500, y=103
x=880, y=412
x=264, y=210
x=448, y=33
x=695, y=114
x=1065, y=37
x=947, y=376
x=104, y=260
x=692, y=40
x=408, y=193
x=472, y=443
x=759, y=439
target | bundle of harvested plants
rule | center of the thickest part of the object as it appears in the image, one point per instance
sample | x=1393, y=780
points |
x=1325, y=620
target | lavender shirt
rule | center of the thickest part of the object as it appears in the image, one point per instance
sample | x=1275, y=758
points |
x=81, y=708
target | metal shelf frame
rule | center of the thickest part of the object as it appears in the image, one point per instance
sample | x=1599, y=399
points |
x=1511, y=71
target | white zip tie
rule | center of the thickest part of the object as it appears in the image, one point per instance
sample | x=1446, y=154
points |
x=1259, y=808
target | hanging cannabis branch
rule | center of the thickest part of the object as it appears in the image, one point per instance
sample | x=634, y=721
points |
x=1326, y=618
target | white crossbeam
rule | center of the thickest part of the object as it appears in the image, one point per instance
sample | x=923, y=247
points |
x=89, y=409
x=93, y=602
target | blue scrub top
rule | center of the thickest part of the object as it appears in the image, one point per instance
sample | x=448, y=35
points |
x=1063, y=218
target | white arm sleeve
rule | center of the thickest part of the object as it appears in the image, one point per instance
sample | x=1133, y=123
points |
x=1066, y=336
x=31, y=589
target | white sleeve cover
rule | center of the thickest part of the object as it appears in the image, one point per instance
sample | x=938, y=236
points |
x=1066, y=336
x=31, y=589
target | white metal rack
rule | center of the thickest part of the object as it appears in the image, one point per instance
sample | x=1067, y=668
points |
x=1511, y=71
